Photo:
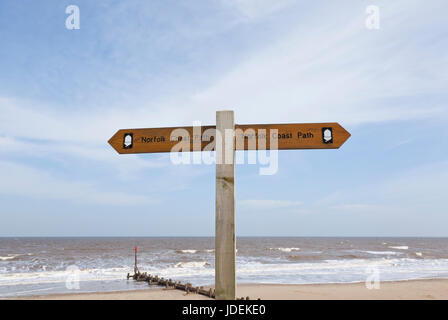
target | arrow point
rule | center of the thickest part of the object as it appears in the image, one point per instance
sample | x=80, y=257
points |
x=346, y=135
x=112, y=141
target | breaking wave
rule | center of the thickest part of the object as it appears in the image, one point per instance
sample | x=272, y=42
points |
x=192, y=264
x=14, y=256
x=285, y=249
x=187, y=251
x=399, y=247
x=382, y=252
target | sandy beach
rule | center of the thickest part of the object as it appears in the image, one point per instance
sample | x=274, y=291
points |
x=396, y=290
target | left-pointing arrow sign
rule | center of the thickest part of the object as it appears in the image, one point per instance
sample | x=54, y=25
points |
x=154, y=140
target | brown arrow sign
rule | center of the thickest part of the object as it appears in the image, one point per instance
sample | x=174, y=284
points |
x=248, y=137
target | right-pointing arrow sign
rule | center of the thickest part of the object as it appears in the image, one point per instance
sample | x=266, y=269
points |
x=292, y=136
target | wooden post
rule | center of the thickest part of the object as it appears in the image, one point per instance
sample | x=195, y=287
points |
x=135, y=261
x=225, y=281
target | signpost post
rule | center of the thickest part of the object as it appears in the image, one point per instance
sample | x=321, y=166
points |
x=225, y=245
x=225, y=138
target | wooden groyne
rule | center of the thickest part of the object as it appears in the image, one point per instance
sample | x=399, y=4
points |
x=170, y=284
x=167, y=283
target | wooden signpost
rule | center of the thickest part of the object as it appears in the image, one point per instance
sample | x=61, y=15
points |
x=290, y=136
x=225, y=138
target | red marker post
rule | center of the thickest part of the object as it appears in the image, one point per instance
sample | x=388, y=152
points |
x=135, y=263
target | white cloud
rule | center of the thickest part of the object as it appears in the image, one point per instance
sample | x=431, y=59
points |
x=127, y=166
x=265, y=204
x=422, y=186
x=258, y=8
x=333, y=71
x=417, y=192
x=328, y=71
x=26, y=181
x=320, y=70
x=358, y=207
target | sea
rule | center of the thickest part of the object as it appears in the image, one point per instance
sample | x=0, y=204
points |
x=42, y=266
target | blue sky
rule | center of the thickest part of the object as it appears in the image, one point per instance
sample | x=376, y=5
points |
x=64, y=93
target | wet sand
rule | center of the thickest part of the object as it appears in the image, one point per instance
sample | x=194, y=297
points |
x=412, y=289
